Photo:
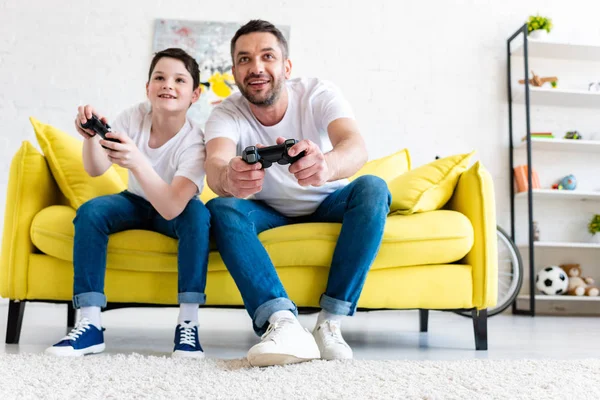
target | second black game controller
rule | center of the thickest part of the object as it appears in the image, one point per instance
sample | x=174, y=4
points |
x=269, y=155
x=100, y=128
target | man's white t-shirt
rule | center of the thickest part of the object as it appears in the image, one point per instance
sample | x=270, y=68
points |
x=312, y=105
x=183, y=155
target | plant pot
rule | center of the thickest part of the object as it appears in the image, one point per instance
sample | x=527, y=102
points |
x=538, y=34
x=596, y=238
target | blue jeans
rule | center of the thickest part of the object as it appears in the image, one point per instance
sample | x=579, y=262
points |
x=102, y=216
x=361, y=206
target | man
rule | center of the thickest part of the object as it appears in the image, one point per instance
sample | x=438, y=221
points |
x=271, y=108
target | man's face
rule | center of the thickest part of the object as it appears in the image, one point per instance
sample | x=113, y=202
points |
x=259, y=68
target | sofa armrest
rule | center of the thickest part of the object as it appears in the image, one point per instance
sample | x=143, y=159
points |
x=474, y=197
x=31, y=188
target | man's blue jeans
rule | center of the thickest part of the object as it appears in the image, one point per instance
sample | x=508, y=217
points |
x=102, y=216
x=361, y=206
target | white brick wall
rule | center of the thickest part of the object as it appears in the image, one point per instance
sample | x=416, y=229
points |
x=427, y=75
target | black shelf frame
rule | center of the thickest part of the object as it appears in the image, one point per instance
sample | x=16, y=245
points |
x=521, y=31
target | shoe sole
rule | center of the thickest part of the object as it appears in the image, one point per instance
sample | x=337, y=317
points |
x=65, y=351
x=188, y=354
x=267, y=360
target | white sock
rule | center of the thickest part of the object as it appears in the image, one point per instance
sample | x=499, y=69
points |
x=188, y=312
x=282, y=314
x=325, y=315
x=92, y=313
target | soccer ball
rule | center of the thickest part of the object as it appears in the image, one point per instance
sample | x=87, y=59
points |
x=552, y=280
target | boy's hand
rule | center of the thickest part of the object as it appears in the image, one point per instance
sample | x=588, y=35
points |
x=83, y=114
x=243, y=179
x=124, y=154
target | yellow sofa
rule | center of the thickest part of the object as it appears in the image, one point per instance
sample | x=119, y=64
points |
x=442, y=260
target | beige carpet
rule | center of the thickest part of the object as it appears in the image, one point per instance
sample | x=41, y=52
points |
x=33, y=376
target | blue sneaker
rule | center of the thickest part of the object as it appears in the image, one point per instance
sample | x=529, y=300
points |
x=83, y=339
x=186, y=341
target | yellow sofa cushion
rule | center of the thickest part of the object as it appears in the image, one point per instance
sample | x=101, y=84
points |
x=436, y=237
x=428, y=187
x=387, y=168
x=63, y=154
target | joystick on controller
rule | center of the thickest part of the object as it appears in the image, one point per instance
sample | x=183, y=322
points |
x=100, y=128
x=268, y=155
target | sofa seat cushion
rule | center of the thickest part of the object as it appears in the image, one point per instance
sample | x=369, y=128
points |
x=434, y=237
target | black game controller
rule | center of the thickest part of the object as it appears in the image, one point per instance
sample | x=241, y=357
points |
x=100, y=128
x=268, y=155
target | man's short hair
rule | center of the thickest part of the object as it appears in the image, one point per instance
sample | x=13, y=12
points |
x=257, y=25
x=190, y=63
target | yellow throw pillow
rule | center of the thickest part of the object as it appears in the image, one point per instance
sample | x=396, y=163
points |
x=123, y=173
x=63, y=154
x=387, y=168
x=428, y=187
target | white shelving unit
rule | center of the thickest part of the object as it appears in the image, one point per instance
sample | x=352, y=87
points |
x=565, y=99
x=559, y=50
x=551, y=194
x=563, y=245
x=558, y=97
x=544, y=297
x=582, y=146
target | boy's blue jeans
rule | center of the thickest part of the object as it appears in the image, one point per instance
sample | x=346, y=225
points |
x=102, y=216
x=362, y=207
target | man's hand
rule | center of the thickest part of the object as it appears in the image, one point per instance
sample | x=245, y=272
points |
x=83, y=114
x=312, y=169
x=243, y=179
x=125, y=154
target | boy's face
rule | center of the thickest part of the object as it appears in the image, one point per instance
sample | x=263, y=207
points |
x=259, y=68
x=171, y=86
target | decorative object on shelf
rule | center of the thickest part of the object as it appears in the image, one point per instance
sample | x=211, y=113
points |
x=573, y=135
x=538, y=27
x=594, y=87
x=569, y=182
x=539, y=82
x=522, y=181
x=536, y=231
x=552, y=281
x=594, y=228
x=579, y=285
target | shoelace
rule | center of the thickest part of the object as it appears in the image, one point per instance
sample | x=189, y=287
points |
x=79, y=328
x=332, y=333
x=187, y=336
x=275, y=328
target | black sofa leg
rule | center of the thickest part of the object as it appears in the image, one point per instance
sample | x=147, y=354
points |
x=480, y=329
x=70, y=316
x=423, y=320
x=16, y=309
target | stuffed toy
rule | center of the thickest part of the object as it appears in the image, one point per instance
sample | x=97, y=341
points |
x=578, y=285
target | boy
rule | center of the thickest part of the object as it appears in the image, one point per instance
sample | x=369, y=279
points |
x=164, y=153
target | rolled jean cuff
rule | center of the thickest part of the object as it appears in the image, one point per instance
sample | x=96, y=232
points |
x=335, y=306
x=89, y=299
x=191, y=297
x=264, y=311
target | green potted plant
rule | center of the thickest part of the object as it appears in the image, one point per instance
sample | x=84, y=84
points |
x=538, y=27
x=594, y=227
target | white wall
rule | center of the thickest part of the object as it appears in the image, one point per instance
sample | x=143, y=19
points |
x=427, y=75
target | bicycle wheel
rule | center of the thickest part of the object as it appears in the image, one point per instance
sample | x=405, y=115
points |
x=510, y=274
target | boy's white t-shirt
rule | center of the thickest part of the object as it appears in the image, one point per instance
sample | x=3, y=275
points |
x=183, y=155
x=312, y=105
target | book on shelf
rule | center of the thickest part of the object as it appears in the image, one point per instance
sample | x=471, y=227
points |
x=539, y=135
x=522, y=181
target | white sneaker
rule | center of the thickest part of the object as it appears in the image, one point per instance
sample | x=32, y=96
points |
x=331, y=344
x=284, y=342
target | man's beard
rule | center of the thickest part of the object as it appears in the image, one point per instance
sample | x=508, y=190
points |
x=263, y=99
